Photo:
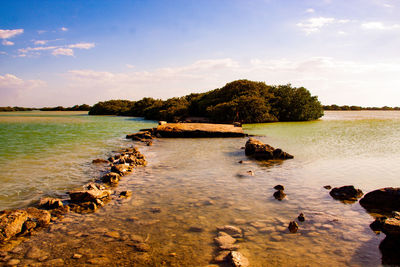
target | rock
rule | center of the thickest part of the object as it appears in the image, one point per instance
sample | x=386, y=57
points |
x=279, y=195
x=113, y=234
x=90, y=193
x=13, y=262
x=279, y=187
x=11, y=222
x=240, y=161
x=347, y=192
x=237, y=259
x=391, y=227
x=41, y=217
x=196, y=229
x=99, y=261
x=126, y=193
x=263, y=151
x=222, y=256
x=381, y=200
x=136, y=238
x=50, y=203
x=293, y=227
x=198, y=130
x=111, y=178
x=328, y=187
x=225, y=241
x=301, y=217
x=121, y=169
x=162, y=122
x=140, y=136
x=35, y=253
x=390, y=250
x=155, y=209
x=98, y=161
x=141, y=247
x=377, y=225
x=231, y=230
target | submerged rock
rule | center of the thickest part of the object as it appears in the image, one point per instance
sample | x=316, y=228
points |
x=279, y=195
x=111, y=178
x=279, y=187
x=140, y=136
x=237, y=259
x=382, y=200
x=90, y=193
x=231, y=230
x=99, y=161
x=50, y=203
x=263, y=151
x=225, y=241
x=347, y=192
x=293, y=227
x=301, y=217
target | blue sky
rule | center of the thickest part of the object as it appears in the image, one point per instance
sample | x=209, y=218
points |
x=73, y=52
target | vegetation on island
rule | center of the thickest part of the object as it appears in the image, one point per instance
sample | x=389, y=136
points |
x=345, y=107
x=83, y=107
x=238, y=101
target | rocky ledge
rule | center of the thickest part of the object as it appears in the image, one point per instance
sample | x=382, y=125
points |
x=187, y=130
x=346, y=193
x=89, y=198
x=263, y=151
x=382, y=200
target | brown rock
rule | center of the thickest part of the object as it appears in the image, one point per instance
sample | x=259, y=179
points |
x=238, y=260
x=328, y=187
x=77, y=256
x=382, y=200
x=222, y=256
x=347, y=192
x=35, y=253
x=301, y=217
x=41, y=217
x=279, y=195
x=141, y=247
x=225, y=241
x=121, y=169
x=391, y=227
x=91, y=193
x=13, y=262
x=293, y=227
x=279, y=187
x=50, y=203
x=263, y=151
x=126, y=193
x=11, y=222
x=231, y=230
x=111, y=178
x=98, y=161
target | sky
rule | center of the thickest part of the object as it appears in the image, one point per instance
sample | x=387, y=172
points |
x=67, y=52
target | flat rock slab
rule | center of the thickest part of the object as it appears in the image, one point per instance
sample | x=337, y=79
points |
x=382, y=200
x=199, y=130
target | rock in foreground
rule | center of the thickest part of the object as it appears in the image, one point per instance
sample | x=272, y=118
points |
x=384, y=199
x=347, y=192
x=263, y=151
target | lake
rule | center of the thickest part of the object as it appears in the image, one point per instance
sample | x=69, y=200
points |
x=200, y=184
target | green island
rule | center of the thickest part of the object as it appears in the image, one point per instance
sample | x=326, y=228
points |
x=238, y=101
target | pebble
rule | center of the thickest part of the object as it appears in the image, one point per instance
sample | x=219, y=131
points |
x=54, y=262
x=77, y=256
x=99, y=261
x=113, y=234
x=13, y=262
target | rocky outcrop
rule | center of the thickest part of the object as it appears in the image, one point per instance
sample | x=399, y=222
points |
x=195, y=130
x=347, y=192
x=237, y=259
x=15, y=222
x=263, y=151
x=141, y=136
x=91, y=193
x=382, y=200
x=50, y=203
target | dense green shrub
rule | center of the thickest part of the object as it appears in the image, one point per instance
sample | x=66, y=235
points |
x=242, y=100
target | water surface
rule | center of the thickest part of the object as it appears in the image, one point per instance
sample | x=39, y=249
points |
x=200, y=182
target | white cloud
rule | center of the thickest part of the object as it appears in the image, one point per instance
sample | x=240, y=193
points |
x=6, y=42
x=334, y=81
x=310, y=10
x=64, y=29
x=129, y=66
x=378, y=25
x=82, y=45
x=314, y=25
x=63, y=52
x=41, y=42
x=41, y=31
x=6, y=34
x=14, y=89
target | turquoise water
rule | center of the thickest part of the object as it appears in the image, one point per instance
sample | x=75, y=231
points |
x=48, y=153
x=199, y=183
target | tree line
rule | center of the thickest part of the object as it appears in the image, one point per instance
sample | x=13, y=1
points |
x=238, y=101
x=83, y=107
x=345, y=107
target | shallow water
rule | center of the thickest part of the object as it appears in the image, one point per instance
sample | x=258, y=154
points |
x=199, y=182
